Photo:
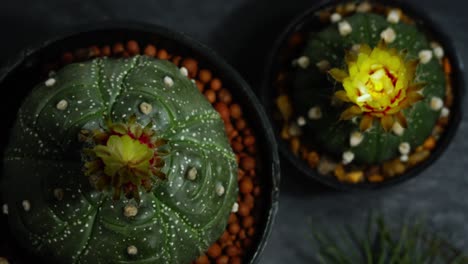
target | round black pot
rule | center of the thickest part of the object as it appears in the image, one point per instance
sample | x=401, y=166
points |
x=307, y=22
x=20, y=74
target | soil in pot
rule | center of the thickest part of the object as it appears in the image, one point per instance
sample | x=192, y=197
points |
x=362, y=92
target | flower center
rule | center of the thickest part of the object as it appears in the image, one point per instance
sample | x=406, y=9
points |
x=124, y=157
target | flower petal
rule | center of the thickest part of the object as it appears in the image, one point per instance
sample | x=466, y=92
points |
x=386, y=122
x=342, y=95
x=338, y=74
x=401, y=119
x=366, y=122
x=351, y=112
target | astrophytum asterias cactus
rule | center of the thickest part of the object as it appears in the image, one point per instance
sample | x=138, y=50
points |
x=376, y=83
x=118, y=161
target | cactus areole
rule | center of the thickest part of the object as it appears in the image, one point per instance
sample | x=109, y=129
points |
x=112, y=163
x=372, y=76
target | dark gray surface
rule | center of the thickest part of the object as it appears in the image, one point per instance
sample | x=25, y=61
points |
x=242, y=31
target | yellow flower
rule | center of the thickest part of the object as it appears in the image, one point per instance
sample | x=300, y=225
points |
x=379, y=84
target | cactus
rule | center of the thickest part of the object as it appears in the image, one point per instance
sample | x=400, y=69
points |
x=376, y=83
x=116, y=161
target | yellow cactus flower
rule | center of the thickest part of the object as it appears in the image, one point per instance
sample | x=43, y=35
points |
x=379, y=84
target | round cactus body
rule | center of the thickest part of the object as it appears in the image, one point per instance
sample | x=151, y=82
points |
x=105, y=129
x=359, y=115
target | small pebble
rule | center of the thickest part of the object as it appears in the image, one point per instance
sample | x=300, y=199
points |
x=445, y=112
x=184, y=71
x=303, y=62
x=301, y=121
x=314, y=113
x=58, y=193
x=130, y=210
x=132, y=250
x=393, y=16
x=168, y=81
x=388, y=35
x=335, y=17
x=5, y=209
x=404, y=148
x=192, y=174
x=26, y=205
x=404, y=158
x=294, y=130
x=50, y=82
x=146, y=108
x=348, y=157
x=344, y=28
x=436, y=103
x=219, y=189
x=235, y=208
x=323, y=65
x=214, y=251
x=425, y=56
x=62, y=105
x=364, y=7
x=397, y=129
x=356, y=138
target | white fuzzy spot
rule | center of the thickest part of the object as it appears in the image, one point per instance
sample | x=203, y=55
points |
x=303, y=62
x=356, y=47
x=355, y=138
x=388, y=35
x=5, y=209
x=348, y=157
x=62, y=105
x=404, y=148
x=235, y=208
x=192, y=174
x=398, y=129
x=184, y=71
x=26, y=205
x=130, y=210
x=168, y=81
x=219, y=189
x=439, y=52
x=146, y=108
x=335, y=17
x=344, y=28
x=393, y=16
x=425, y=56
x=132, y=250
x=301, y=121
x=314, y=113
x=364, y=7
x=436, y=103
x=323, y=65
x=404, y=158
x=50, y=82
x=445, y=112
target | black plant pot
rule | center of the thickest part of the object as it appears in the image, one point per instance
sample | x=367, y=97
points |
x=308, y=22
x=19, y=75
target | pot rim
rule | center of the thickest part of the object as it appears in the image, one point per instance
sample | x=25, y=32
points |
x=271, y=162
x=458, y=83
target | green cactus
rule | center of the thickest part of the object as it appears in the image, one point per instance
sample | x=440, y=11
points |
x=315, y=87
x=135, y=126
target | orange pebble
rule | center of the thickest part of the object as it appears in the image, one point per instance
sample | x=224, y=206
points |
x=106, y=51
x=162, y=54
x=216, y=84
x=205, y=75
x=210, y=95
x=214, y=251
x=191, y=65
x=118, y=48
x=133, y=48
x=246, y=186
x=244, y=209
x=222, y=260
x=234, y=228
x=203, y=259
x=150, y=50
x=248, y=163
x=248, y=221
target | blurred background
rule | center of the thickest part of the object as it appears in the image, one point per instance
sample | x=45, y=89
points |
x=242, y=31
